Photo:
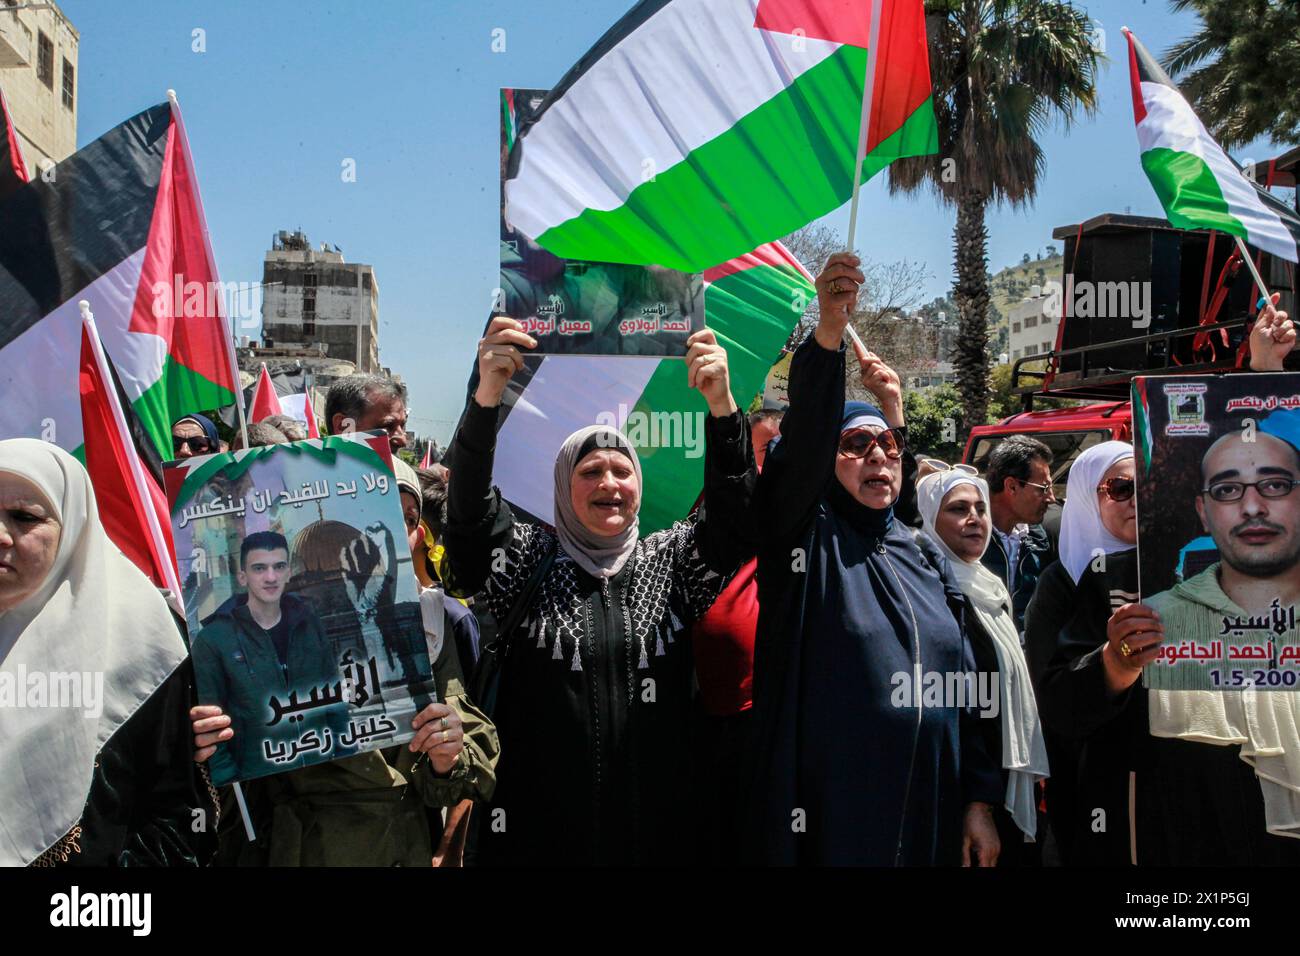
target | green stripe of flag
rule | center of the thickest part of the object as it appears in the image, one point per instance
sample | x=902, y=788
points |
x=661, y=220
x=1190, y=192
x=178, y=391
x=752, y=313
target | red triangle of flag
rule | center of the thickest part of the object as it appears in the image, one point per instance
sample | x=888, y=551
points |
x=265, y=402
x=132, y=508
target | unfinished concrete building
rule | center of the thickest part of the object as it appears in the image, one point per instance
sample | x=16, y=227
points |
x=311, y=297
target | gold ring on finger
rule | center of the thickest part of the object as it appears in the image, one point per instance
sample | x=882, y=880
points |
x=1125, y=649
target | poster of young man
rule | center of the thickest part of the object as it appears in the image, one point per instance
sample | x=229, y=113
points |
x=301, y=604
x=1218, y=465
x=586, y=308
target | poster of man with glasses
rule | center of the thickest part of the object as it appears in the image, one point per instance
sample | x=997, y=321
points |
x=1218, y=465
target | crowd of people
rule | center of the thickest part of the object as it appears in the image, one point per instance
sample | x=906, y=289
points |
x=844, y=655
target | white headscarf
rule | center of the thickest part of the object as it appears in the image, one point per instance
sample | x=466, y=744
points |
x=600, y=555
x=1024, y=750
x=1082, y=533
x=94, y=613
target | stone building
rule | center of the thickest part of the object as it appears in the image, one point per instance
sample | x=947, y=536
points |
x=312, y=299
x=38, y=75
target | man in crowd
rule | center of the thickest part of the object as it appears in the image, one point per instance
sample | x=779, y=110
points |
x=1020, y=490
x=362, y=403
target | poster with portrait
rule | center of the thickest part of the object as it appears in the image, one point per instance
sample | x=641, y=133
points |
x=587, y=308
x=1218, y=464
x=302, y=606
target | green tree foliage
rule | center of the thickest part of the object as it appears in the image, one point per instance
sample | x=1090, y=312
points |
x=1240, y=68
x=934, y=422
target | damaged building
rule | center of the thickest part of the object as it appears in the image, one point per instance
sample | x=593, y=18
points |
x=313, y=299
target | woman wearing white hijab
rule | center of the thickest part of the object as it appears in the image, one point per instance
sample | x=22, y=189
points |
x=954, y=507
x=103, y=778
x=1096, y=573
x=593, y=706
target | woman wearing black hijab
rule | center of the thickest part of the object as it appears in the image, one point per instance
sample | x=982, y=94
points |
x=853, y=764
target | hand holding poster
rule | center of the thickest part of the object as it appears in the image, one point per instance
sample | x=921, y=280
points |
x=1218, y=462
x=300, y=599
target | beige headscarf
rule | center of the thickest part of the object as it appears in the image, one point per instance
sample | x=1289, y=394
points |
x=1024, y=748
x=94, y=614
x=600, y=555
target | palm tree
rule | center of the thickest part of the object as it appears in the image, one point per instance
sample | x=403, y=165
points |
x=1002, y=71
x=1239, y=70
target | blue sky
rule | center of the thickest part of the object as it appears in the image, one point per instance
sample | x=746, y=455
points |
x=287, y=90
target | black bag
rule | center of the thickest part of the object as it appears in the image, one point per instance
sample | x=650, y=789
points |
x=487, y=673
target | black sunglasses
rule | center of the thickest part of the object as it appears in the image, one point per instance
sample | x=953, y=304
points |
x=858, y=442
x=199, y=444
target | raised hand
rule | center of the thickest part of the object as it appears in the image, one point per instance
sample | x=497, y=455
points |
x=837, y=297
x=499, y=358
x=1272, y=338
x=706, y=370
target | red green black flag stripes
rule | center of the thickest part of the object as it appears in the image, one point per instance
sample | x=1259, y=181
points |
x=120, y=225
x=1199, y=185
x=692, y=133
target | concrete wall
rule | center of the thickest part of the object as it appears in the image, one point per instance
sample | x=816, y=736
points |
x=47, y=130
x=347, y=305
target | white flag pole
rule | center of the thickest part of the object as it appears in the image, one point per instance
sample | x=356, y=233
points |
x=1250, y=264
x=864, y=128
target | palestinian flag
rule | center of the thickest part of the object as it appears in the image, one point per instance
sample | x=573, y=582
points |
x=13, y=170
x=132, y=505
x=119, y=224
x=1200, y=186
x=696, y=130
x=752, y=303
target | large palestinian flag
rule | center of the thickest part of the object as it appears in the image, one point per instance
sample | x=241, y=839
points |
x=1200, y=186
x=119, y=224
x=697, y=130
x=752, y=303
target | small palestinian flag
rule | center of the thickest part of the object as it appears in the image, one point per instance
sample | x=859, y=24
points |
x=119, y=224
x=697, y=130
x=752, y=303
x=1200, y=185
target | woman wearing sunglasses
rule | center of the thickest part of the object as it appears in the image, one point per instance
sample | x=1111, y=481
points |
x=852, y=767
x=957, y=516
x=1065, y=630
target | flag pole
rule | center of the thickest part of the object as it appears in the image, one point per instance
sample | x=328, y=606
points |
x=864, y=128
x=864, y=125
x=1250, y=264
